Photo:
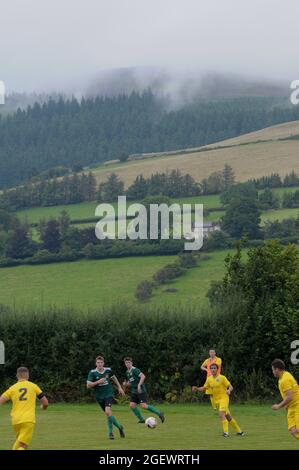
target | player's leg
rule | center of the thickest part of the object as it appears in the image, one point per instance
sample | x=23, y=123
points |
x=224, y=423
x=296, y=434
x=25, y=436
x=16, y=429
x=293, y=422
x=16, y=445
x=144, y=405
x=213, y=404
x=234, y=424
x=212, y=400
x=112, y=421
x=108, y=414
x=223, y=411
x=134, y=408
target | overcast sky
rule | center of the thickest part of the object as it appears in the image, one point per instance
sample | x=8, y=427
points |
x=56, y=44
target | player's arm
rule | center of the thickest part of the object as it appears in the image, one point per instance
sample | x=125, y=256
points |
x=3, y=400
x=42, y=397
x=91, y=383
x=6, y=396
x=119, y=387
x=200, y=389
x=229, y=389
x=43, y=401
x=141, y=381
x=204, y=366
x=285, y=401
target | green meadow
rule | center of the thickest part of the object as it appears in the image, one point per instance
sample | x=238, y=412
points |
x=97, y=283
x=190, y=426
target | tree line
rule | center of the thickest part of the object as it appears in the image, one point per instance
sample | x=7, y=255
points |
x=276, y=181
x=51, y=192
x=76, y=188
x=83, y=188
x=67, y=132
x=55, y=240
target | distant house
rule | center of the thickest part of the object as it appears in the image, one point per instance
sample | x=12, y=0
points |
x=208, y=228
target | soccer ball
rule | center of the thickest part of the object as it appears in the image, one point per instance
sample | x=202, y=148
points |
x=151, y=422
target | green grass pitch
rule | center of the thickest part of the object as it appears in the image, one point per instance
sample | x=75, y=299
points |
x=188, y=427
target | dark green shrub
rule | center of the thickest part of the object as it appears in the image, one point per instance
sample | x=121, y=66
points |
x=144, y=290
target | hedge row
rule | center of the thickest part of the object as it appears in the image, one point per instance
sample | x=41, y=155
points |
x=116, y=249
x=59, y=347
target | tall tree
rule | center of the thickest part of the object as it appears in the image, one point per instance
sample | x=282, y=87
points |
x=242, y=218
x=228, y=176
x=19, y=244
x=51, y=236
x=111, y=189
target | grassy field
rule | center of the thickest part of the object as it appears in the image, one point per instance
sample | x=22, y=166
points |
x=279, y=131
x=280, y=191
x=187, y=427
x=279, y=214
x=82, y=284
x=86, y=210
x=97, y=283
x=192, y=287
x=265, y=152
x=215, y=216
x=264, y=157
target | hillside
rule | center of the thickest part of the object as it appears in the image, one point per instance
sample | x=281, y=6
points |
x=280, y=131
x=90, y=132
x=251, y=155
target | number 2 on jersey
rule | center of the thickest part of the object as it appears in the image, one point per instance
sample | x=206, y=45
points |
x=23, y=393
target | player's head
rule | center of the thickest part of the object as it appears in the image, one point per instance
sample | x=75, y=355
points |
x=278, y=367
x=214, y=369
x=100, y=361
x=212, y=353
x=128, y=362
x=22, y=373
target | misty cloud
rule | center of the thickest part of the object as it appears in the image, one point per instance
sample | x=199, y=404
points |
x=70, y=45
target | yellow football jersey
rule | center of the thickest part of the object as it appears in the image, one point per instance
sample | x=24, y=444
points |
x=218, y=385
x=288, y=382
x=23, y=397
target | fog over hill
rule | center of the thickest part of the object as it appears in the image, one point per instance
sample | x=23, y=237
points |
x=176, y=87
x=183, y=87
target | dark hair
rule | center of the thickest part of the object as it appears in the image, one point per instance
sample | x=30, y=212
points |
x=214, y=365
x=278, y=364
x=100, y=358
x=128, y=359
x=22, y=371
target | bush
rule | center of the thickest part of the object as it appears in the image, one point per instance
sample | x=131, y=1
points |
x=168, y=273
x=188, y=259
x=290, y=200
x=144, y=290
x=9, y=262
x=217, y=240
